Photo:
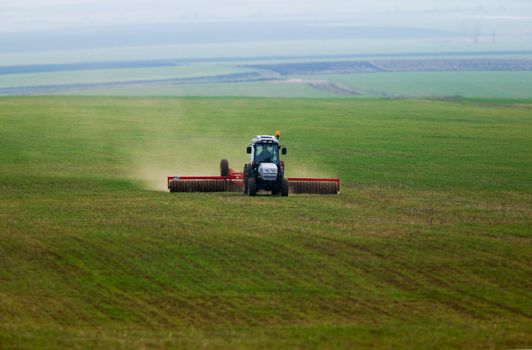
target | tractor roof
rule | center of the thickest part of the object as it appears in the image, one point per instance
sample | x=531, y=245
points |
x=264, y=139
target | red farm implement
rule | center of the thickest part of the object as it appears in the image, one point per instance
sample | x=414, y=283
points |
x=263, y=172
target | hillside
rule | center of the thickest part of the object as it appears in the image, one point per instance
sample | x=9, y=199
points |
x=428, y=245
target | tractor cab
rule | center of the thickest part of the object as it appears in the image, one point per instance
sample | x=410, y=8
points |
x=266, y=152
x=265, y=149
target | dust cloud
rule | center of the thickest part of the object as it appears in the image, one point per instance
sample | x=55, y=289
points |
x=153, y=173
x=297, y=169
x=180, y=145
x=173, y=146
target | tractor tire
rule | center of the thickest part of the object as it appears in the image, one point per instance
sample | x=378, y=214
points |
x=224, y=167
x=252, y=186
x=245, y=179
x=276, y=191
x=284, y=188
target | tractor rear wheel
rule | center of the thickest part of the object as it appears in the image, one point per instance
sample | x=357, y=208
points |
x=276, y=191
x=284, y=188
x=252, y=186
x=224, y=167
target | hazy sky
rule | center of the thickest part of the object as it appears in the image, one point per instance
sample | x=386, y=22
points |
x=23, y=15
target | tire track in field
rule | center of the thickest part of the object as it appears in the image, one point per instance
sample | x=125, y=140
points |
x=237, y=262
x=415, y=284
x=280, y=263
x=116, y=295
x=323, y=274
x=398, y=279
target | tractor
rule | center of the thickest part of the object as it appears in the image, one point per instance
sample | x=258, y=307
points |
x=265, y=170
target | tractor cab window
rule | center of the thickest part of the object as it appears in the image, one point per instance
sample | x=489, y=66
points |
x=266, y=152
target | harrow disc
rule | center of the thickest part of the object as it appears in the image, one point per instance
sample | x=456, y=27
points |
x=313, y=187
x=199, y=186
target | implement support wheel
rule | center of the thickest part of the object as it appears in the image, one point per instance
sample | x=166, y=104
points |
x=224, y=167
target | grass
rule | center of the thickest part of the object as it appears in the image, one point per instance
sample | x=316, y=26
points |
x=513, y=85
x=427, y=246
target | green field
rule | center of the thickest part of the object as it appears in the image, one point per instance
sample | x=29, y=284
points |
x=428, y=245
x=210, y=76
x=254, y=89
x=114, y=75
x=515, y=85
x=486, y=85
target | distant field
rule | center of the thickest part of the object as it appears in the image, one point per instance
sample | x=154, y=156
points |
x=497, y=85
x=112, y=75
x=399, y=65
x=427, y=246
x=438, y=84
x=483, y=76
x=255, y=89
